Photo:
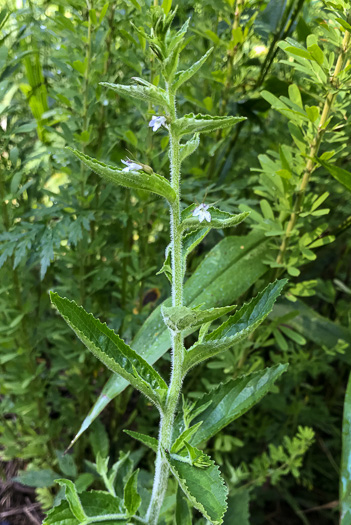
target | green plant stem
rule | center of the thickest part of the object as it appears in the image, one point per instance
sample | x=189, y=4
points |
x=167, y=418
x=314, y=148
x=81, y=247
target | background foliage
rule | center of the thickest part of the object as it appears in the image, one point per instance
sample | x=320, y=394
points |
x=62, y=227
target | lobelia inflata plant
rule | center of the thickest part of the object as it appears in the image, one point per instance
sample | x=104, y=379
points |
x=182, y=429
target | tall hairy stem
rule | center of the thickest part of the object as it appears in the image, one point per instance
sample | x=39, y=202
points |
x=167, y=418
x=313, y=151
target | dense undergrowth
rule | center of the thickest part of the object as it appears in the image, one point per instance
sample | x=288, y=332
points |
x=64, y=228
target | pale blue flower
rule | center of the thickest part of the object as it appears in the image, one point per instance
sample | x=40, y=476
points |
x=156, y=122
x=131, y=166
x=201, y=212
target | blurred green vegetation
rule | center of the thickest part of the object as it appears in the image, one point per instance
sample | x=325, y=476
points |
x=63, y=228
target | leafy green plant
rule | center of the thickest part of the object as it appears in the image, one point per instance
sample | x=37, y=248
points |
x=176, y=447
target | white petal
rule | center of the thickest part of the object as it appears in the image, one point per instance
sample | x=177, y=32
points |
x=196, y=212
x=125, y=162
x=207, y=216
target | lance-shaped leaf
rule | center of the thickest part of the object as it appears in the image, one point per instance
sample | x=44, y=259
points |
x=341, y=175
x=204, y=487
x=345, y=478
x=179, y=318
x=185, y=436
x=189, y=147
x=219, y=219
x=240, y=325
x=138, y=180
x=227, y=271
x=229, y=401
x=132, y=500
x=148, y=441
x=147, y=92
x=73, y=499
x=96, y=504
x=183, y=76
x=107, y=346
x=204, y=123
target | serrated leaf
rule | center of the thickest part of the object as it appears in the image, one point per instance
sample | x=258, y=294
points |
x=231, y=400
x=181, y=317
x=107, y=346
x=147, y=92
x=73, y=499
x=205, y=488
x=132, y=500
x=138, y=180
x=189, y=147
x=183, y=76
x=148, y=441
x=341, y=175
x=219, y=219
x=240, y=325
x=204, y=123
x=236, y=260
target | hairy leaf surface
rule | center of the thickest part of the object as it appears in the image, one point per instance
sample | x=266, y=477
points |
x=107, y=346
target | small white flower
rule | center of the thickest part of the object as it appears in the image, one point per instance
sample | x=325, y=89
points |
x=131, y=166
x=156, y=122
x=201, y=212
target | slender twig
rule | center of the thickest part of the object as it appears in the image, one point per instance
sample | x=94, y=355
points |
x=314, y=148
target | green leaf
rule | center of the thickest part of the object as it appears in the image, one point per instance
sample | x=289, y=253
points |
x=226, y=272
x=295, y=95
x=73, y=499
x=36, y=478
x=95, y=504
x=316, y=53
x=138, y=180
x=148, y=441
x=219, y=219
x=185, y=436
x=132, y=500
x=204, y=123
x=167, y=265
x=231, y=400
x=303, y=53
x=341, y=175
x=204, y=487
x=183, y=76
x=312, y=112
x=240, y=325
x=183, y=513
x=344, y=24
x=238, y=509
x=147, y=92
x=189, y=147
x=313, y=326
x=345, y=478
x=166, y=6
x=190, y=241
x=179, y=318
x=107, y=346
